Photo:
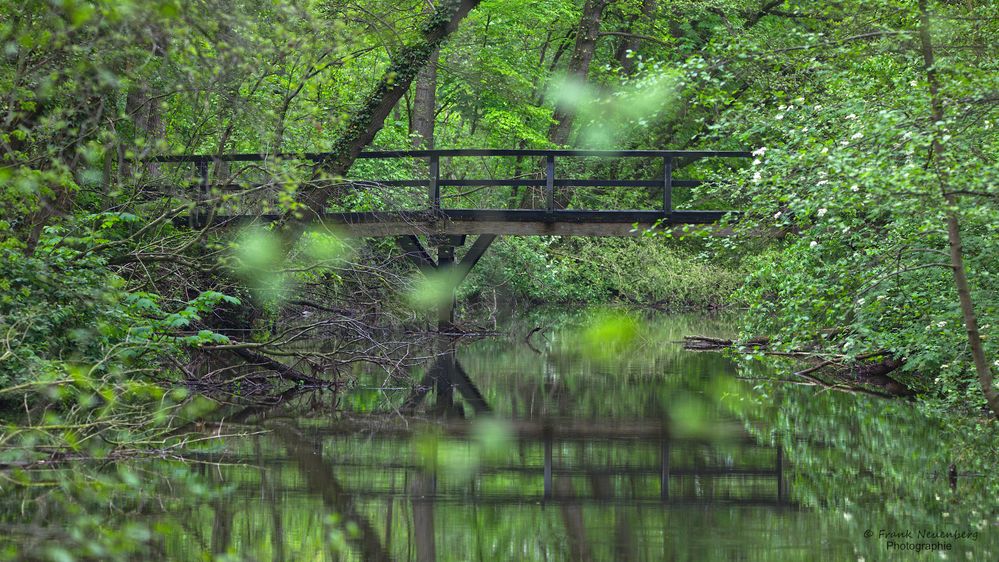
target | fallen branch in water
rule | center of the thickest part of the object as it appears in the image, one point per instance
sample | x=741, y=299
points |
x=707, y=343
x=876, y=374
x=845, y=371
x=282, y=370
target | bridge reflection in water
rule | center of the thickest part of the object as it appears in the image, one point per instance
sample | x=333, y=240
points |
x=446, y=377
x=406, y=477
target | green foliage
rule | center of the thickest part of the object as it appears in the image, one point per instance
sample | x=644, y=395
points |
x=880, y=445
x=622, y=110
x=642, y=271
x=841, y=246
x=608, y=334
x=845, y=187
x=61, y=309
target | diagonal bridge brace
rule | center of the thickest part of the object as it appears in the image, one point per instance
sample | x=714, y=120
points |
x=416, y=253
x=457, y=271
x=472, y=257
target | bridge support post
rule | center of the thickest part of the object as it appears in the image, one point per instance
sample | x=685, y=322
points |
x=550, y=188
x=447, y=273
x=664, y=469
x=447, y=269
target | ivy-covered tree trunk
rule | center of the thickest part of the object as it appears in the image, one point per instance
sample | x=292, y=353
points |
x=982, y=368
x=368, y=119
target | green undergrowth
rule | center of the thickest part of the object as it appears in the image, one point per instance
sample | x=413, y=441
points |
x=647, y=272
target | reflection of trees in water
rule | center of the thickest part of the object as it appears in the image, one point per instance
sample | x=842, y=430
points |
x=829, y=479
x=597, y=469
x=603, y=477
x=598, y=485
x=880, y=464
x=320, y=481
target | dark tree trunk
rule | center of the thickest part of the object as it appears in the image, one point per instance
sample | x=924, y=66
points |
x=425, y=103
x=572, y=519
x=579, y=66
x=633, y=42
x=577, y=71
x=422, y=489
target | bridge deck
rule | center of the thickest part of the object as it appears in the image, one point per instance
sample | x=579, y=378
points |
x=515, y=222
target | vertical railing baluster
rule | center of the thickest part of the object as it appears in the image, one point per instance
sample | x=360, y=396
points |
x=550, y=183
x=668, y=186
x=435, y=186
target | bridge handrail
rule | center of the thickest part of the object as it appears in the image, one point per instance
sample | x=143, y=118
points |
x=434, y=182
x=455, y=152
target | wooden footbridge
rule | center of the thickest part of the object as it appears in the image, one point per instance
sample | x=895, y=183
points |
x=446, y=228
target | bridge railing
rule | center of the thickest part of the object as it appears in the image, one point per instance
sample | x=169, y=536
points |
x=669, y=160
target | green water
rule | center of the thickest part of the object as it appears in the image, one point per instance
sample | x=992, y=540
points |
x=578, y=446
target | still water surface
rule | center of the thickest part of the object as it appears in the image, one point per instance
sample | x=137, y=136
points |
x=575, y=447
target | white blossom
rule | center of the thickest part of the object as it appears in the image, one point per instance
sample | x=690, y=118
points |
x=822, y=211
x=941, y=323
x=760, y=151
x=851, y=117
x=756, y=162
x=821, y=182
x=813, y=244
x=777, y=215
x=857, y=136
x=854, y=188
x=779, y=116
x=757, y=177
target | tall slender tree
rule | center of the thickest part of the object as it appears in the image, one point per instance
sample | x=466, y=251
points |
x=938, y=156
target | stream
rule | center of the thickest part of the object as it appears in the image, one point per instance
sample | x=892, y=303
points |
x=578, y=444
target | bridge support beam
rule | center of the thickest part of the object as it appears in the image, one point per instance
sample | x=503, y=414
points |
x=447, y=269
